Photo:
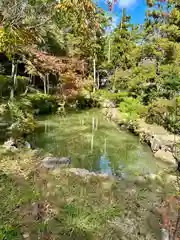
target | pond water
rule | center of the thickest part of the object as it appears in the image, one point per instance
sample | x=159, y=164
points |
x=94, y=143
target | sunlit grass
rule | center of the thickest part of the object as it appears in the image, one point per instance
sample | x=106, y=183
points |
x=73, y=207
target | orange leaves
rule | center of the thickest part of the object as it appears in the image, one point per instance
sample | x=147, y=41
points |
x=97, y=25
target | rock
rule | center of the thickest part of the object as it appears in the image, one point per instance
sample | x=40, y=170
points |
x=165, y=234
x=26, y=235
x=152, y=176
x=36, y=151
x=128, y=227
x=108, y=104
x=9, y=144
x=27, y=145
x=131, y=191
x=12, y=145
x=155, y=144
x=171, y=179
x=55, y=162
x=84, y=172
x=166, y=156
x=140, y=180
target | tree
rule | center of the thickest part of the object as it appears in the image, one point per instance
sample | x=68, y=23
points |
x=162, y=31
x=21, y=26
x=123, y=42
x=83, y=25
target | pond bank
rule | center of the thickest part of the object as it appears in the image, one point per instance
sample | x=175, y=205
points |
x=162, y=143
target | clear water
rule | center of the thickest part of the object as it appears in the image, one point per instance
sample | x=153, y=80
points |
x=94, y=143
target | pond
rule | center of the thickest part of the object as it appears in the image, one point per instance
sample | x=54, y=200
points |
x=94, y=143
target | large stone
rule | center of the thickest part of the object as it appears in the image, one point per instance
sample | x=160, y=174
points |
x=108, y=104
x=55, y=162
x=85, y=173
x=11, y=144
x=165, y=156
x=140, y=180
x=154, y=143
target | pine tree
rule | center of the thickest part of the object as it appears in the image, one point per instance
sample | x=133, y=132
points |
x=162, y=31
x=124, y=42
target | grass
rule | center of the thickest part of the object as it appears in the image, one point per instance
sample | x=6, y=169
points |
x=36, y=204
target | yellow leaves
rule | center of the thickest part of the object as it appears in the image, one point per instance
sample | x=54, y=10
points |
x=60, y=6
x=64, y=6
x=1, y=29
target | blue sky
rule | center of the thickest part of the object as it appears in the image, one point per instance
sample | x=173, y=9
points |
x=136, y=8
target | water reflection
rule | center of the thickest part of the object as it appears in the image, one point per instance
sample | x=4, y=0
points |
x=104, y=165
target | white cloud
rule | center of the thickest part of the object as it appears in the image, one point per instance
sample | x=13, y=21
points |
x=126, y=3
x=115, y=21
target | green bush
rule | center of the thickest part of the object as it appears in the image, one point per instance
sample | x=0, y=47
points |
x=43, y=103
x=6, y=85
x=83, y=102
x=22, y=121
x=166, y=113
x=173, y=117
x=170, y=80
x=132, y=108
x=114, y=97
x=157, y=111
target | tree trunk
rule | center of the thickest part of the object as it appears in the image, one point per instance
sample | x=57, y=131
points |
x=114, y=82
x=94, y=70
x=109, y=50
x=98, y=83
x=45, y=87
x=13, y=75
x=157, y=67
x=47, y=83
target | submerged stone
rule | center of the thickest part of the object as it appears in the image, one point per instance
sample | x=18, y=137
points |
x=55, y=162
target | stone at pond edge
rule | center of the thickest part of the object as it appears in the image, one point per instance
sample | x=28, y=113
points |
x=11, y=144
x=165, y=234
x=166, y=156
x=140, y=180
x=55, y=162
x=84, y=172
x=155, y=136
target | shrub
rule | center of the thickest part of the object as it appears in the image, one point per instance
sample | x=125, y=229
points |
x=132, y=108
x=6, y=85
x=170, y=82
x=173, y=117
x=84, y=102
x=43, y=103
x=22, y=122
x=157, y=111
x=120, y=79
x=165, y=113
x=114, y=97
